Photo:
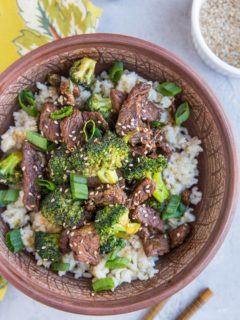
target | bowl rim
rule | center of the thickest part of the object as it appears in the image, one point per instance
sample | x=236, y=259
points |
x=204, y=257
x=196, y=29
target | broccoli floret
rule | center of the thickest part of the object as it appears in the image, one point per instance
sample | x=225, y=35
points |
x=111, y=243
x=8, y=172
x=102, y=158
x=59, y=165
x=101, y=104
x=161, y=192
x=139, y=168
x=82, y=71
x=58, y=207
x=47, y=246
x=112, y=223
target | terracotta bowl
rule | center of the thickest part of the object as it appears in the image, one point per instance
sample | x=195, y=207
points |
x=217, y=164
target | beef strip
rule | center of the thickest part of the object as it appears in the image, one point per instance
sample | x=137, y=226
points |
x=50, y=128
x=160, y=141
x=68, y=91
x=158, y=245
x=85, y=244
x=71, y=127
x=117, y=98
x=141, y=193
x=144, y=233
x=32, y=166
x=93, y=182
x=64, y=241
x=97, y=118
x=108, y=194
x=90, y=206
x=185, y=196
x=177, y=236
x=130, y=115
x=150, y=112
x=148, y=217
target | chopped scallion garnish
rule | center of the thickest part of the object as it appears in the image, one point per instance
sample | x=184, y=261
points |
x=116, y=71
x=27, y=102
x=8, y=196
x=14, y=241
x=79, y=187
x=46, y=184
x=168, y=88
x=103, y=284
x=117, y=263
x=38, y=140
x=60, y=266
x=182, y=113
x=89, y=129
x=174, y=208
x=62, y=113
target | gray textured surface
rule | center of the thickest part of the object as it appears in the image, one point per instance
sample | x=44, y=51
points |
x=166, y=23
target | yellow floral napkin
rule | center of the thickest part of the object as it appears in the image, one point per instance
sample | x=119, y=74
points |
x=28, y=24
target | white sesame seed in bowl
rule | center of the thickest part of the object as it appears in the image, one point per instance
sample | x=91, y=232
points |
x=215, y=27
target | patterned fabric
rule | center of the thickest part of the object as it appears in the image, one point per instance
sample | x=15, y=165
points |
x=28, y=24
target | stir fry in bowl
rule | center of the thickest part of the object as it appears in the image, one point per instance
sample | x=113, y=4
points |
x=101, y=174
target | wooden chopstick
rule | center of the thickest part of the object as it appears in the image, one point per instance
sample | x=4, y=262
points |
x=154, y=310
x=196, y=305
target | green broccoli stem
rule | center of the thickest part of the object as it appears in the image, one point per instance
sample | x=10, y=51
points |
x=161, y=193
x=8, y=164
x=107, y=176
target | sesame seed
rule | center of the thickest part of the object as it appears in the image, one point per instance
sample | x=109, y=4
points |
x=75, y=244
x=72, y=234
x=23, y=168
x=178, y=234
x=55, y=122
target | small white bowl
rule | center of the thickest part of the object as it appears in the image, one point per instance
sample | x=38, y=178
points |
x=203, y=50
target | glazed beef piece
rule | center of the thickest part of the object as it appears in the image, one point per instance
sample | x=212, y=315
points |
x=117, y=98
x=185, y=196
x=160, y=142
x=85, y=244
x=109, y=194
x=71, y=127
x=32, y=166
x=69, y=91
x=49, y=128
x=148, y=217
x=93, y=182
x=177, y=236
x=97, y=118
x=150, y=112
x=141, y=193
x=130, y=115
x=64, y=241
x=158, y=245
x=144, y=233
x=90, y=206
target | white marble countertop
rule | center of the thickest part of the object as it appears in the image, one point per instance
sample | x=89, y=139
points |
x=166, y=23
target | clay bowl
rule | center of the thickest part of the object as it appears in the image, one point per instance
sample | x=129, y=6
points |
x=218, y=175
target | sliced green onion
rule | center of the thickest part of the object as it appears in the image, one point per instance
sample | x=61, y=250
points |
x=97, y=133
x=46, y=184
x=3, y=282
x=38, y=140
x=157, y=124
x=27, y=102
x=89, y=129
x=8, y=196
x=128, y=136
x=60, y=266
x=171, y=210
x=182, y=208
x=182, y=113
x=79, y=186
x=103, y=284
x=14, y=241
x=114, y=253
x=116, y=71
x=117, y=263
x=168, y=88
x=62, y=113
